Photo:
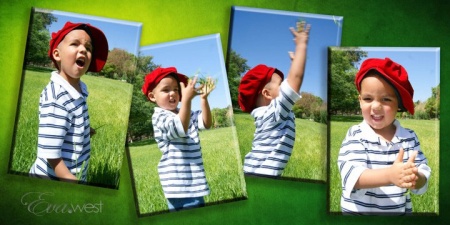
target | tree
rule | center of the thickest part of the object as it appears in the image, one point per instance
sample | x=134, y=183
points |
x=342, y=74
x=432, y=106
x=38, y=39
x=305, y=106
x=140, y=121
x=120, y=65
x=236, y=66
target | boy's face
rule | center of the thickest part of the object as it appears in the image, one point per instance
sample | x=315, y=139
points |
x=379, y=103
x=74, y=55
x=166, y=94
x=274, y=85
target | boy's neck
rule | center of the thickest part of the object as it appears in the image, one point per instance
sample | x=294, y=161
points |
x=387, y=133
x=74, y=82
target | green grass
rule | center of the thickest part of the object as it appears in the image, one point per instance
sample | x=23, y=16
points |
x=428, y=134
x=309, y=156
x=221, y=160
x=109, y=105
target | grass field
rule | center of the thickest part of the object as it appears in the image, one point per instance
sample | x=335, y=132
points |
x=109, y=105
x=428, y=134
x=221, y=160
x=309, y=156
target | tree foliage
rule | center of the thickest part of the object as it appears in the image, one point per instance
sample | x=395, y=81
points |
x=38, y=39
x=120, y=65
x=236, y=66
x=140, y=121
x=222, y=117
x=432, y=106
x=310, y=107
x=342, y=74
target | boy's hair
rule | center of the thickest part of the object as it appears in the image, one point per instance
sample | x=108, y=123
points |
x=394, y=74
x=99, y=43
x=153, y=78
x=252, y=84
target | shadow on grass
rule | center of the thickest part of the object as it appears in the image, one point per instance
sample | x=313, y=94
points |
x=238, y=111
x=39, y=69
x=357, y=118
x=142, y=143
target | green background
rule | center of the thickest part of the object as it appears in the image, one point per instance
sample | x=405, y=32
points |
x=366, y=23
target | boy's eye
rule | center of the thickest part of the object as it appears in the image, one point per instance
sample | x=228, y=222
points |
x=88, y=48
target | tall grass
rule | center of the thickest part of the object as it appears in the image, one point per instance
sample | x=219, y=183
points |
x=109, y=105
x=428, y=134
x=221, y=160
x=309, y=156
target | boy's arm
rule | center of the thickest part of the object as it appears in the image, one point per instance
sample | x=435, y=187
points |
x=206, y=113
x=296, y=72
x=188, y=93
x=208, y=87
x=401, y=174
x=61, y=170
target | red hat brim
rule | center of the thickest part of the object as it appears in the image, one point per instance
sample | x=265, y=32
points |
x=99, y=42
x=153, y=78
x=395, y=74
x=252, y=84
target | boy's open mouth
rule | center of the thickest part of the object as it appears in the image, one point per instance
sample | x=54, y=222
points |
x=80, y=62
x=377, y=117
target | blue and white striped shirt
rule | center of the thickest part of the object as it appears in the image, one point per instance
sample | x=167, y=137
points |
x=180, y=169
x=64, y=129
x=274, y=135
x=363, y=149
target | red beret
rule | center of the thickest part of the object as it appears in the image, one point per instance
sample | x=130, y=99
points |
x=395, y=74
x=252, y=84
x=99, y=43
x=153, y=78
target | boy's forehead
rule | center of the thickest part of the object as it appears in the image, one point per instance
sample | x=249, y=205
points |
x=370, y=78
x=167, y=80
x=78, y=34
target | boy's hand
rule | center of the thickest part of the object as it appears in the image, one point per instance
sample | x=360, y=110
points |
x=301, y=33
x=207, y=87
x=190, y=91
x=404, y=175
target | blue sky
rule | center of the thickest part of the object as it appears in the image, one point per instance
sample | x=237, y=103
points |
x=119, y=33
x=199, y=54
x=421, y=63
x=263, y=37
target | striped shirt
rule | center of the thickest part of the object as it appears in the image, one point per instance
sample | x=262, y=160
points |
x=274, y=135
x=180, y=169
x=64, y=130
x=363, y=149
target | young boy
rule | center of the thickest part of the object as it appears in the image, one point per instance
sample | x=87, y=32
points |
x=269, y=99
x=379, y=160
x=64, y=129
x=180, y=169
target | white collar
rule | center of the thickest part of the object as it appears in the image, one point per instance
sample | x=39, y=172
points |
x=58, y=79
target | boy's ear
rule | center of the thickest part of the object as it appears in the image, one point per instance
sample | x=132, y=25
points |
x=266, y=94
x=359, y=99
x=55, y=54
x=151, y=97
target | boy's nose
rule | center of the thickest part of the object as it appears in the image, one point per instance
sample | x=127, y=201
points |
x=82, y=48
x=376, y=106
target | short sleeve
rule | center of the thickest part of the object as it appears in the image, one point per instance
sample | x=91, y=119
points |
x=54, y=122
x=351, y=162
